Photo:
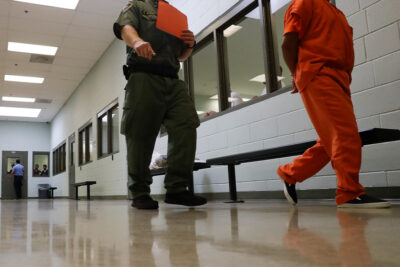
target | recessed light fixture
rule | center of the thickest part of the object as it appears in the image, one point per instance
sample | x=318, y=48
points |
x=18, y=99
x=200, y=112
x=23, y=79
x=68, y=4
x=231, y=30
x=19, y=112
x=259, y=79
x=32, y=48
x=214, y=97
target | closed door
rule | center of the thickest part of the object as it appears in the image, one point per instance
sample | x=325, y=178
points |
x=71, y=164
x=9, y=158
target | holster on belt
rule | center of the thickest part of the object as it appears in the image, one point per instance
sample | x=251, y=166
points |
x=164, y=71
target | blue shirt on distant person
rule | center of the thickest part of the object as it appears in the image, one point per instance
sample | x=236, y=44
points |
x=18, y=170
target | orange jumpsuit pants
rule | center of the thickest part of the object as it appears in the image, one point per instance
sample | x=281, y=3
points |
x=327, y=99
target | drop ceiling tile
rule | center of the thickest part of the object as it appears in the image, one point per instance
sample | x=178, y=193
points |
x=85, y=44
x=94, y=21
x=3, y=34
x=27, y=67
x=4, y=7
x=73, y=62
x=44, y=13
x=35, y=38
x=89, y=33
x=102, y=7
x=3, y=21
x=37, y=26
x=77, y=53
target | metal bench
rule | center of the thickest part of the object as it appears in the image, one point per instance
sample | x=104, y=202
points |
x=46, y=191
x=87, y=183
x=372, y=136
x=197, y=166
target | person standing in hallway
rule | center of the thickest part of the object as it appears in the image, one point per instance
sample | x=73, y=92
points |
x=154, y=96
x=318, y=49
x=18, y=173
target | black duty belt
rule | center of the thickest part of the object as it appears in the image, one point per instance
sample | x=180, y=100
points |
x=160, y=70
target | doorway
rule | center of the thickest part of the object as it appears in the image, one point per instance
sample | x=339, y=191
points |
x=71, y=165
x=7, y=184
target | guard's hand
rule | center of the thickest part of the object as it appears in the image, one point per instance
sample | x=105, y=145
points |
x=143, y=49
x=295, y=90
x=188, y=38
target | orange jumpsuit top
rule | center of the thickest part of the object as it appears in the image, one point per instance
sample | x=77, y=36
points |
x=326, y=39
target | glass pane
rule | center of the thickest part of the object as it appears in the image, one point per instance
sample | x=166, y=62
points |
x=205, y=80
x=115, y=129
x=11, y=162
x=40, y=165
x=83, y=138
x=284, y=75
x=246, y=58
x=64, y=158
x=71, y=151
x=104, y=135
x=91, y=143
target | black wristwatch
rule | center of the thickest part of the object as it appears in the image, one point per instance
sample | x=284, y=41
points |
x=193, y=46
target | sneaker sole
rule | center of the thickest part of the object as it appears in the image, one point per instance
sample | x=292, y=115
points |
x=378, y=205
x=186, y=205
x=287, y=195
x=146, y=208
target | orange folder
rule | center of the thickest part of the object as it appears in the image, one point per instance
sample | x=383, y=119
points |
x=171, y=20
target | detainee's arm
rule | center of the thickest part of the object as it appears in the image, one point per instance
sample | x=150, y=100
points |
x=297, y=19
x=290, y=50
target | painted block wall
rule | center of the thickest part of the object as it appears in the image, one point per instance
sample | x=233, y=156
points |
x=276, y=121
x=282, y=120
x=30, y=137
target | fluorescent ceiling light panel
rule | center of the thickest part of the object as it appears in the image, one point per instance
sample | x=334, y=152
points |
x=68, y=4
x=200, y=112
x=259, y=79
x=214, y=97
x=18, y=99
x=23, y=79
x=231, y=30
x=32, y=48
x=19, y=112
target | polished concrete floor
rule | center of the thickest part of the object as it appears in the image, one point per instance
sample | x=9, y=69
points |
x=256, y=233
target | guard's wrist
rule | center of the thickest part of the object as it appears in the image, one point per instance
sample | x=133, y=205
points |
x=193, y=46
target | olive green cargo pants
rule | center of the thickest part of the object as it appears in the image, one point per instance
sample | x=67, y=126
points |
x=152, y=100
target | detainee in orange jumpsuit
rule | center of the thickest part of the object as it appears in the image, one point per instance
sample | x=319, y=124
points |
x=318, y=49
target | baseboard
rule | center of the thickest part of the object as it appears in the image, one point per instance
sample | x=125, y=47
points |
x=381, y=192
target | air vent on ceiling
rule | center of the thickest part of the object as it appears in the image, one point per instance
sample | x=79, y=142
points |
x=43, y=59
x=43, y=101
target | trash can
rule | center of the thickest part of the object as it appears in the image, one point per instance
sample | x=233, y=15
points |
x=44, y=191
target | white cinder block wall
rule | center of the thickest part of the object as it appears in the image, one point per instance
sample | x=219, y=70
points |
x=283, y=120
x=273, y=122
x=30, y=137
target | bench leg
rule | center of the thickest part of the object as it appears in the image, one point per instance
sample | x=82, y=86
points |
x=232, y=185
x=76, y=192
x=88, y=192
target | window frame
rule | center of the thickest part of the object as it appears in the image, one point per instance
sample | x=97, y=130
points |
x=84, y=130
x=59, y=159
x=215, y=32
x=107, y=111
x=46, y=153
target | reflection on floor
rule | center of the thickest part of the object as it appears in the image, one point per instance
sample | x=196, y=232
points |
x=256, y=233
